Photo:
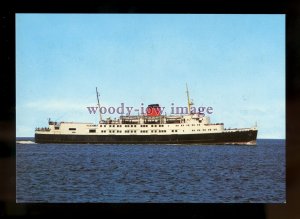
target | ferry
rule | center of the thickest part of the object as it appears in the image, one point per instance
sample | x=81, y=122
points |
x=149, y=128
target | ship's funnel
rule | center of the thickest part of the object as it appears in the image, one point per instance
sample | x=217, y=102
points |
x=153, y=110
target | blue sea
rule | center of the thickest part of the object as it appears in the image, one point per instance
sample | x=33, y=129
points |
x=84, y=173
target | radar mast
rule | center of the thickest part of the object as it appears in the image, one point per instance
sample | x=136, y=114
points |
x=99, y=105
x=189, y=100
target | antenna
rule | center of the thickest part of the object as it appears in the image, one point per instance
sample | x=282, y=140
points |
x=98, y=105
x=188, y=98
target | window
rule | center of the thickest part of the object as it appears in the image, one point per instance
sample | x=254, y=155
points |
x=72, y=129
x=92, y=130
x=56, y=128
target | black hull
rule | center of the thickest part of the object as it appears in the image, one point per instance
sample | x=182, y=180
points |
x=237, y=137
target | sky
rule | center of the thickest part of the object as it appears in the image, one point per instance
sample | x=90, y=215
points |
x=232, y=63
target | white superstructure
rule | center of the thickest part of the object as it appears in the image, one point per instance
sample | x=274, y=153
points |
x=136, y=125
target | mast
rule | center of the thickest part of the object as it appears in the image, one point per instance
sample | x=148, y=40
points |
x=98, y=105
x=188, y=98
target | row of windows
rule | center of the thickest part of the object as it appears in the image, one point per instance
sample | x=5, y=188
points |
x=158, y=131
x=134, y=131
x=116, y=126
x=111, y=131
x=127, y=131
x=145, y=125
x=189, y=125
x=204, y=130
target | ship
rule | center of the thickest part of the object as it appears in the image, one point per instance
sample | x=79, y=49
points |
x=149, y=128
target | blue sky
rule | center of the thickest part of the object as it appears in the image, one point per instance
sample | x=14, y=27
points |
x=233, y=63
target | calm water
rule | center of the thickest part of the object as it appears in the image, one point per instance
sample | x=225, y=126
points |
x=151, y=173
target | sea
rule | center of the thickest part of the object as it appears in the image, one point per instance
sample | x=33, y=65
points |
x=99, y=173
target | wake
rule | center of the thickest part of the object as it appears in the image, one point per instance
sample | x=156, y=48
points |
x=25, y=142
